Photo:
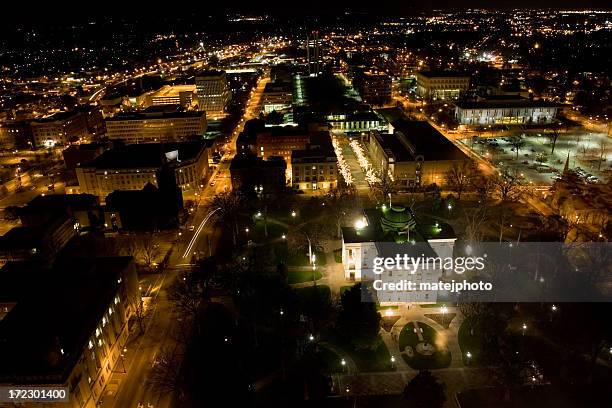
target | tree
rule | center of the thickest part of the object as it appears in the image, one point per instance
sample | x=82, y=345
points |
x=186, y=294
x=165, y=375
x=517, y=142
x=507, y=186
x=227, y=207
x=553, y=135
x=340, y=202
x=458, y=177
x=603, y=151
x=425, y=391
x=149, y=251
x=358, y=320
x=384, y=187
x=474, y=220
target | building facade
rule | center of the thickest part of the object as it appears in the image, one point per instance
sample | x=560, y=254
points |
x=132, y=167
x=213, y=92
x=59, y=129
x=385, y=232
x=162, y=124
x=182, y=95
x=441, y=84
x=515, y=111
x=415, y=154
x=87, y=306
x=374, y=87
x=277, y=96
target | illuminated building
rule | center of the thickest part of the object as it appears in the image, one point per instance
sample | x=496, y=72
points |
x=83, y=307
x=156, y=124
x=377, y=234
x=131, y=167
x=59, y=128
x=15, y=134
x=356, y=122
x=277, y=96
x=213, y=92
x=171, y=95
x=505, y=110
x=374, y=87
x=316, y=166
x=415, y=154
x=313, y=54
x=441, y=84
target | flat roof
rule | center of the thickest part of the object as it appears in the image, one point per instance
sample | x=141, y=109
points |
x=394, y=147
x=443, y=74
x=157, y=112
x=145, y=155
x=506, y=103
x=66, y=303
x=173, y=90
x=427, y=141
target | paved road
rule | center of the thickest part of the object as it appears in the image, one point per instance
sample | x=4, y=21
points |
x=128, y=390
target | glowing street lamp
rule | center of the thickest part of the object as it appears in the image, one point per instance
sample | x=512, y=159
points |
x=359, y=224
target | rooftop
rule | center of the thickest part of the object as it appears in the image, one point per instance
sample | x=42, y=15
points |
x=146, y=155
x=444, y=74
x=427, y=141
x=66, y=303
x=172, y=90
x=397, y=224
x=157, y=112
x=492, y=103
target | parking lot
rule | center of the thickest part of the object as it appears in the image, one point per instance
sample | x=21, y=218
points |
x=535, y=162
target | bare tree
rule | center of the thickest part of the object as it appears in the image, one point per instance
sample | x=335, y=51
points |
x=507, y=186
x=603, y=152
x=553, y=135
x=384, y=187
x=186, y=294
x=517, y=142
x=340, y=202
x=458, y=177
x=149, y=251
x=474, y=220
x=140, y=314
x=227, y=207
x=165, y=375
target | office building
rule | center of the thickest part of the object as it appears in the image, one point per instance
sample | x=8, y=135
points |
x=506, y=110
x=213, y=92
x=182, y=95
x=82, y=308
x=374, y=87
x=252, y=173
x=15, y=135
x=441, y=84
x=316, y=166
x=415, y=154
x=164, y=123
x=59, y=129
x=277, y=96
x=313, y=54
x=131, y=167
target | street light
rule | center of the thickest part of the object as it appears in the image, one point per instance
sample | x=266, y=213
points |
x=468, y=355
x=293, y=214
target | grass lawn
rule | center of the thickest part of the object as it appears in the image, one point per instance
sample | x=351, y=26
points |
x=302, y=276
x=317, y=293
x=439, y=359
x=475, y=344
x=344, y=289
x=257, y=233
x=329, y=360
x=301, y=259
